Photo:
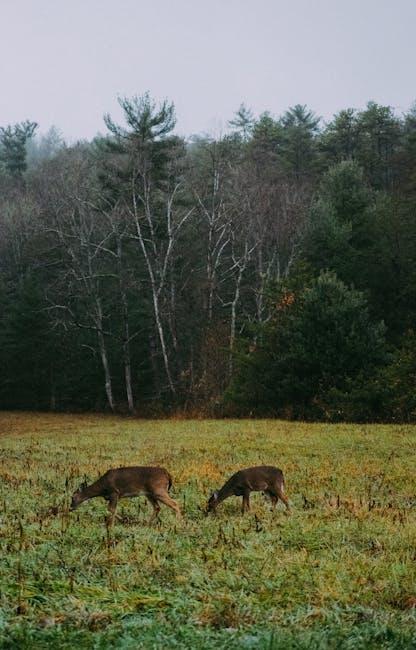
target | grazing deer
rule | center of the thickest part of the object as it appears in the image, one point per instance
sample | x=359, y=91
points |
x=153, y=482
x=263, y=478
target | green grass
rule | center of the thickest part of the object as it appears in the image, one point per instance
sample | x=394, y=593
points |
x=339, y=572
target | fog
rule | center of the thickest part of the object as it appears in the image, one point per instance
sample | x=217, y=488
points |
x=64, y=63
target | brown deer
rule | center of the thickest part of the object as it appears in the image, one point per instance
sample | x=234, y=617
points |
x=263, y=478
x=152, y=482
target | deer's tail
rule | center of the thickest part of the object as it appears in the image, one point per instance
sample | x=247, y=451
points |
x=170, y=482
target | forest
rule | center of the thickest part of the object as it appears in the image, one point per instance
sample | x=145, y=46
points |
x=266, y=272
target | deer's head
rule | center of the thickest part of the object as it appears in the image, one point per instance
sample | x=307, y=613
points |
x=212, y=502
x=78, y=497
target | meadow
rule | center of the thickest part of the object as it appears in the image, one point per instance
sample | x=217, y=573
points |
x=338, y=572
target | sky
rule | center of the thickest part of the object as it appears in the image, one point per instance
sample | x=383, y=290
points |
x=65, y=62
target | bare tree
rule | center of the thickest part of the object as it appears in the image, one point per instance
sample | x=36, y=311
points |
x=240, y=262
x=273, y=205
x=72, y=222
x=155, y=199
x=209, y=190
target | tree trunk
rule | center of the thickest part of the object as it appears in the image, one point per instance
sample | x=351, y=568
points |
x=160, y=330
x=106, y=367
x=104, y=357
x=153, y=361
x=234, y=318
x=126, y=334
x=127, y=376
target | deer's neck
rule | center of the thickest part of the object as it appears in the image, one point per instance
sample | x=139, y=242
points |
x=91, y=491
x=225, y=492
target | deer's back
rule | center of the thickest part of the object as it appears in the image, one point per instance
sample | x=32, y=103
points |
x=257, y=478
x=131, y=480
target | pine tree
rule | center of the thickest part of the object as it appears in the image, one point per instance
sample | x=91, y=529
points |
x=13, y=141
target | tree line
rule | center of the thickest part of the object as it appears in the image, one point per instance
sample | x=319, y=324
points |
x=269, y=271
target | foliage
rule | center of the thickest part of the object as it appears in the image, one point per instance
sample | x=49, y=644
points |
x=318, y=343
x=13, y=140
x=339, y=234
x=243, y=121
x=300, y=125
x=153, y=260
x=399, y=377
x=370, y=137
x=26, y=361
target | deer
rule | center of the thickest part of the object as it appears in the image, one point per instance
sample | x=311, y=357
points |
x=263, y=478
x=153, y=482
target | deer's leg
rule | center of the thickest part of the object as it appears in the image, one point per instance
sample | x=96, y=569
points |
x=112, y=507
x=156, y=508
x=168, y=501
x=246, y=502
x=282, y=497
x=273, y=499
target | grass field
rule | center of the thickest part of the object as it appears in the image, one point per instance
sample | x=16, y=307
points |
x=338, y=572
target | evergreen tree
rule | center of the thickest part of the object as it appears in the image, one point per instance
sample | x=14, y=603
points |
x=379, y=137
x=339, y=236
x=13, y=142
x=299, y=147
x=320, y=342
x=243, y=122
x=340, y=139
x=266, y=141
x=26, y=350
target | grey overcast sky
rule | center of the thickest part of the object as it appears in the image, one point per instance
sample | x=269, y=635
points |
x=64, y=62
